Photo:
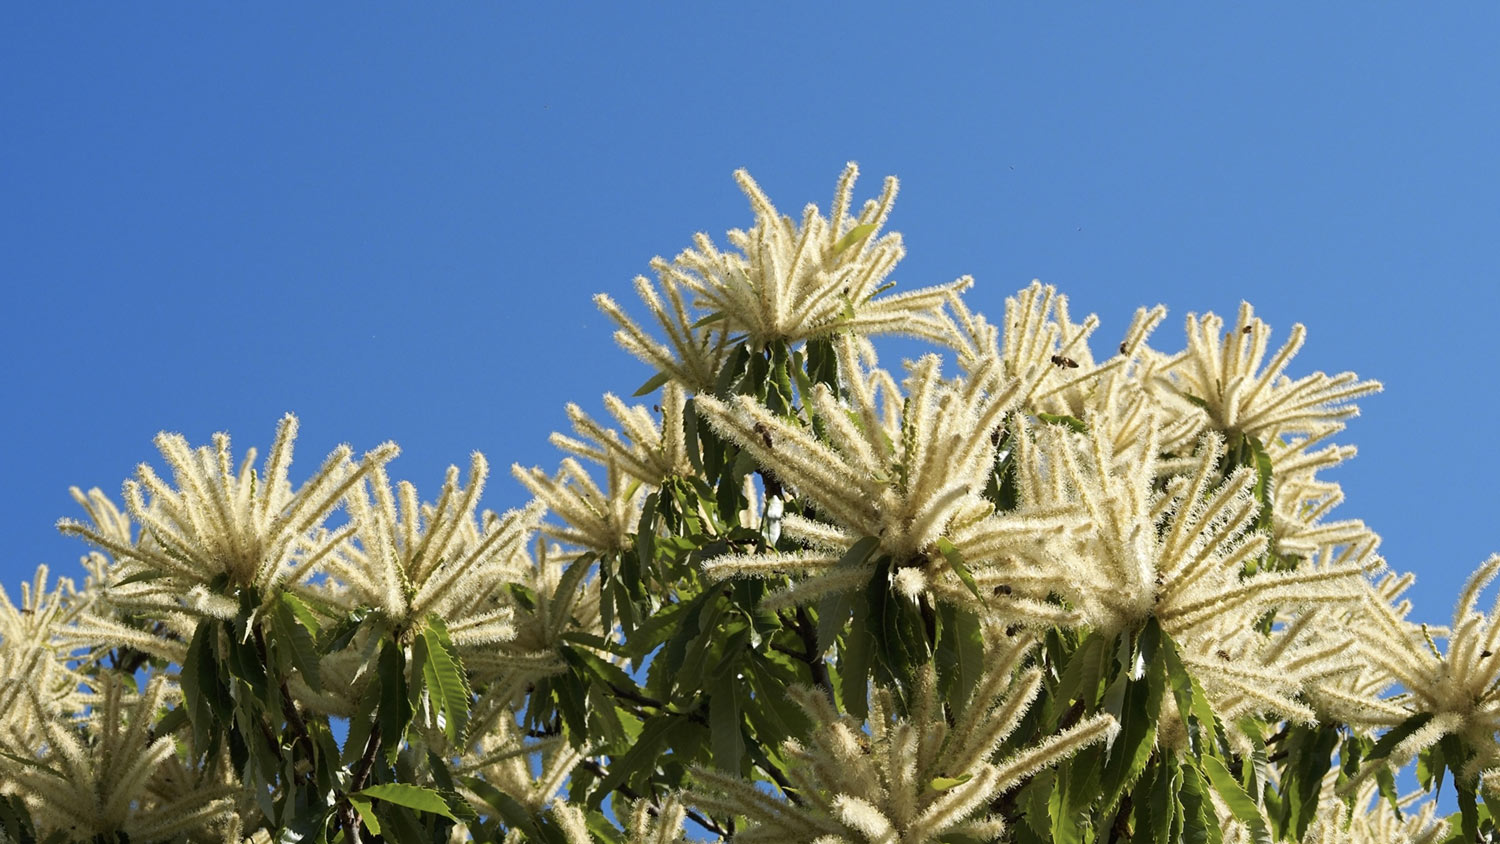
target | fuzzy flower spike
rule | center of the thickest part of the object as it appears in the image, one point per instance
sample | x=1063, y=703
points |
x=237, y=527
x=1180, y=555
x=908, y=780
x=906, y=470
x=784, y=282
x=1223, y=370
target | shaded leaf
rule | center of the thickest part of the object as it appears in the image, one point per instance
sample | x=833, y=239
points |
x=410, y=796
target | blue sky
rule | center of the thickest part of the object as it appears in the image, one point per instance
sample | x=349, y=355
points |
x=391, y=220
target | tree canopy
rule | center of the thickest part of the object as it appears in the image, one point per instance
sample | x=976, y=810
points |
x=1026, y=587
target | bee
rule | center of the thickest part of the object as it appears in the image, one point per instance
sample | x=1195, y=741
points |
x=1222, y=654
x=1245, y=330
x=765, y=433
x=1002, y=589
x=1124, y=349
x=656, y=407
x=1483, y=654
x=1065, y=363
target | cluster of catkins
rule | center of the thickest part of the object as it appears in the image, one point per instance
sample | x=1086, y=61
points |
x=1130, y=502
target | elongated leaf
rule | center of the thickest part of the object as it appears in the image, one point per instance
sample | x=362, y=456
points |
x=1132, y=747
x=410, y=796
x=724, y=723
x=446, y=684
x=956, y=562
x=647, y=749
x=512, y=812
x=1072, y=422
x=295, y=640
x=1200, y=823
x=853, y=236
x=366, y=813
x=960, y=661
x=1085, y=668
x=945, y=783
x=1394, y=735
x=1192, y=703
x=139, y=577
x=1239, y=803
x=395, y=703
x=833, y=611
x=652, y=383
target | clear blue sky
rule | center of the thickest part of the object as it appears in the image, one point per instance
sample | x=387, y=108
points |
x=390, y=220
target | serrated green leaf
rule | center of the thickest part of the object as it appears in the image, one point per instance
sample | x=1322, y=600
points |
x=1192, y=703
x=833, y=611
x=1394, y=735
x=1239, y=803
x=395, y=703
x=411, y=796
x=1128, y=755
x=960, y=661
x=1200, y=823
x=295, y=640
x=1085, y=668
x=447, y=686
x=366, y=813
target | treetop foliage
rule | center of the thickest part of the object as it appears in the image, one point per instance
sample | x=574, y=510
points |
x=1024, y=588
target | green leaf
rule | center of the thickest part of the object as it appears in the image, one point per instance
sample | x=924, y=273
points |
x=515, y=815
x=724, y=723
x=1085, y=668
x=1074, y=423
x=823, y=362
x=366, y=813
x=945, y=783
x=244, y=659
x=960, y=661
x=411, y=796
x=652, y=383
x=295, y=640
x=853, y=236
x=1155, y=802
x=444, y=673
x=1200, y=823
x=139, y=577
x=714, y=317
x=1394, y=735
x=1192, y=703
x=1132, y=746
x=203, y=689
x=395, y=703
x=646, y=751
x=956, y=562
x=833, y=610
x=1239, y=803
x=855, y=658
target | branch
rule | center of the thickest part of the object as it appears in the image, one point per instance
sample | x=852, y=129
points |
x=814, y=659
x=626, y=791
x=348, y=815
